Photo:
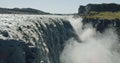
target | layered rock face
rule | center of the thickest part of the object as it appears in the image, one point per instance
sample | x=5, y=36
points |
x=102, y=24
x=99, y=23
x=33, y=38
x=98, y=8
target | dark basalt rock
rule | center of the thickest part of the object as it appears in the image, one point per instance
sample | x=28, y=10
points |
x=81, y=10
x=112, y=7
x=4, y=33
x=9, y=49
x=102, y=24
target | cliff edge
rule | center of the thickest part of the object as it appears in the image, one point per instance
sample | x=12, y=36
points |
x=111, y=7
x=101, y=16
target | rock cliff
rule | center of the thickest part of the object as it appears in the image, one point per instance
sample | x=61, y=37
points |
x=102, y=24
x=98, y=8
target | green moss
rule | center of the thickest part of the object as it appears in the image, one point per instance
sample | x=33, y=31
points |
x=103, y=15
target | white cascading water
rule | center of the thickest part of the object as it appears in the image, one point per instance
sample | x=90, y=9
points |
x=94, y=47
x=33, y=38
x=43, y=39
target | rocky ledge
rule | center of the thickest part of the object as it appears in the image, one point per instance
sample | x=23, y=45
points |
x=98, y=8
x=102, y=24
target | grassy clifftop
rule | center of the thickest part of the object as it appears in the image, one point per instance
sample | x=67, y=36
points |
x=103, y=15
x=108, y=11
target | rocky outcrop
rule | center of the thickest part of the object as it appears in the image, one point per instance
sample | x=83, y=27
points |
x=98, y=8
x=13, y=51
x=102, y=24
x=21, y=11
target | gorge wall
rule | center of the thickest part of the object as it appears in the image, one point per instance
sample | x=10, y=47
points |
x=98, y=22
x=98, y=8
x=102, y=24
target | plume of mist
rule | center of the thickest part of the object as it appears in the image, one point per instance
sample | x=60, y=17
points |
x=94, y=47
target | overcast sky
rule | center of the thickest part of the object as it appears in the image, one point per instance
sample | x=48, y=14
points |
x=52, y=6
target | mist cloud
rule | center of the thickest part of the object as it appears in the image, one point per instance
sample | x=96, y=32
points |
x=94, y=47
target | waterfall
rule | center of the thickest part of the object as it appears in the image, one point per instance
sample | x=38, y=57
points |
x=55, y=39
x=35, y=38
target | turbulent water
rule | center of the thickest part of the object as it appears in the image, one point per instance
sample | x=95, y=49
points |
x=34, y=38
x=55, y=39
x=94, y=47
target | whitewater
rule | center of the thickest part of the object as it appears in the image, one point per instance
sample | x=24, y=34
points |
x=55, y=39
x=94, y=47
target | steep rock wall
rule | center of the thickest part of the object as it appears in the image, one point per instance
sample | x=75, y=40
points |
x=102, y=24
x=98, y=8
